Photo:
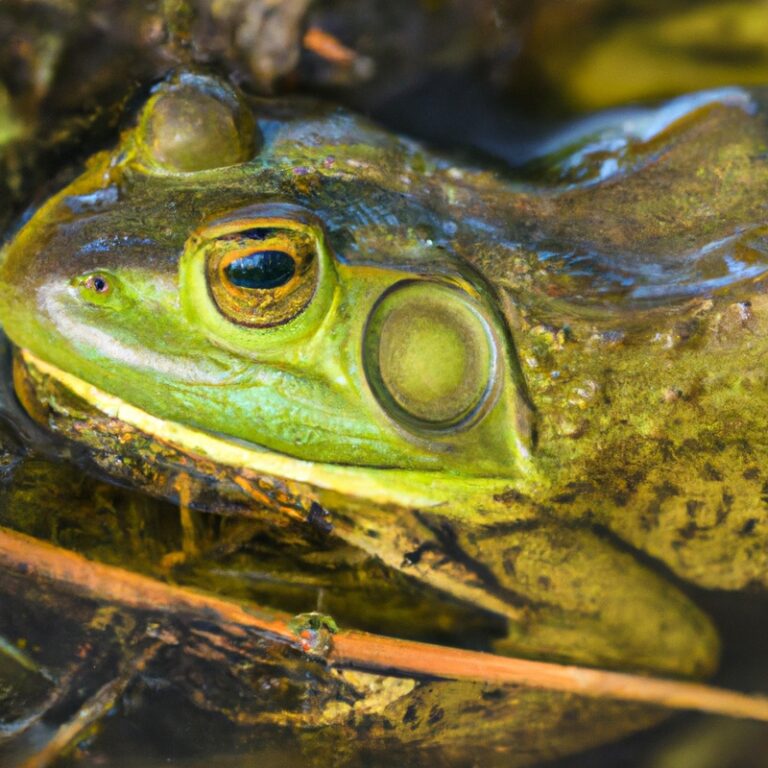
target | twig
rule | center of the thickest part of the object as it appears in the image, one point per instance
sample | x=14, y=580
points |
x=325, y=45
x=359, y=649
x=31, y=556
x=91, y=712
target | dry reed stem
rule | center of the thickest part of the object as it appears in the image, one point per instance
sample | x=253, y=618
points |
x=32, y=557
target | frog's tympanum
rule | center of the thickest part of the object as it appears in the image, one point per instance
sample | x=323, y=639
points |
x=546, y=398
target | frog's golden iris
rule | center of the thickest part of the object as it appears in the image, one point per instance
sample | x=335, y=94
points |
x=262, y=276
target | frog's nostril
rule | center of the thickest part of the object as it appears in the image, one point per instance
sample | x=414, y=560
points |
x=97, y=283
x=101, y=289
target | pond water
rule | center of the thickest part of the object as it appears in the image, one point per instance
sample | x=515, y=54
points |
x=100, y=669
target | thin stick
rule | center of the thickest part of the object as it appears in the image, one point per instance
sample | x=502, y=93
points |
x=91, y=712
x=28, y=555
x=360, y=650
x=328, y=47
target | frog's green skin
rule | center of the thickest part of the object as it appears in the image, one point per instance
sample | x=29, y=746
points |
x=627, y=409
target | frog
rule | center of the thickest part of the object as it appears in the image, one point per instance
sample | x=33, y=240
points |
x=534, y=390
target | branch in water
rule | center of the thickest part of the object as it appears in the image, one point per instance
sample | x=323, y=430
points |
x=360, y=650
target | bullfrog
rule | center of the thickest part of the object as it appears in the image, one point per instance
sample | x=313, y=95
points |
x=538, y=391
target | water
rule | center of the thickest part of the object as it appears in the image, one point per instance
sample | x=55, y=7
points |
x=184, y=691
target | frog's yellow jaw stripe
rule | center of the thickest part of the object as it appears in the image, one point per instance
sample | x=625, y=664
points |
x=407, y=488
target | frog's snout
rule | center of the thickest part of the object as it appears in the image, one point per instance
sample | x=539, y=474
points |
x=12, y=292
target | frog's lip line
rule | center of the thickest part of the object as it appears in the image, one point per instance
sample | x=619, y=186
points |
x=411, y=488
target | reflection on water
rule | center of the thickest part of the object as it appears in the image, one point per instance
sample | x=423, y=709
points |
x=643, y=211
x=602, y=146
x=142, y=687
x=632, y=278
x=157, y=689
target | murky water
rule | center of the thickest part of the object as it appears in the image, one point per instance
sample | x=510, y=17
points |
x=90, y=681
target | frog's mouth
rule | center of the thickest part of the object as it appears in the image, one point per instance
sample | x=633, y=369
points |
x=77, y=409
x=391, y=515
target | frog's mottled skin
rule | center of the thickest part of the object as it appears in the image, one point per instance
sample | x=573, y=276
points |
x=625, y=302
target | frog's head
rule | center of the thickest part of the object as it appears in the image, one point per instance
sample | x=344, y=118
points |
x=272, y=279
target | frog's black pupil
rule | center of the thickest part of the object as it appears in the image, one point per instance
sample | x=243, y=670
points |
x=99, y=284
x=263, y=269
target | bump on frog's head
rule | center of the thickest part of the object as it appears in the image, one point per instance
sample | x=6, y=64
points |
x=194, y=122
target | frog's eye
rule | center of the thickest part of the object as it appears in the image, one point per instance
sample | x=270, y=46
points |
x=262, y=276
